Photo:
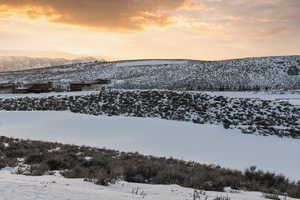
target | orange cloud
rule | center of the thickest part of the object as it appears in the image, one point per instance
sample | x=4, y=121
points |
x=120, y=15
x=271, y=32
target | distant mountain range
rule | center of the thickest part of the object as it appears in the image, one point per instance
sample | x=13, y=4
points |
x=282, y=72
x=14, y=63
x=38, y=54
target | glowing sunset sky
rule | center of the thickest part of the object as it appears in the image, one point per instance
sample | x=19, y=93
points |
x=131, y=29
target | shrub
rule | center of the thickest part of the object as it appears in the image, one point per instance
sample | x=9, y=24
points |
x=222, y=198
x=34, y=158
x=2, y=163
x=54, y=164
x=271, y=196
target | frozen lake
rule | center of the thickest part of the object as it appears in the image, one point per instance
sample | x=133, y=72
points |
x=204, y=143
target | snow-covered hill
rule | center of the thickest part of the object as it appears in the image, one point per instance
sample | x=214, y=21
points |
x=13, y=63
x=19, y=187
x=240, y=74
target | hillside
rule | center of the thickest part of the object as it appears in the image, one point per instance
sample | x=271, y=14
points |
x=240, y=74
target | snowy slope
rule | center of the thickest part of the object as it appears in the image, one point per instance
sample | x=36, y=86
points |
x=19, y=187
x=240, y=74
x=293, y=96
x=210, y=144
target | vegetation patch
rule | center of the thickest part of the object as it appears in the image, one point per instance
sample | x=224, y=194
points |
x=103, y=166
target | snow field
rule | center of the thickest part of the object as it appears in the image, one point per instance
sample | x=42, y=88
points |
x=210, y=144
x=20, y=187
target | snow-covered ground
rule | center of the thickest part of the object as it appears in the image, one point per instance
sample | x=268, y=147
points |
x=204, y=143
x=292, y=96
x=37, y=95
x=19, y=187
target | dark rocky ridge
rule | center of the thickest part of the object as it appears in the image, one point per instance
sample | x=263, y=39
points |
x=250, y=115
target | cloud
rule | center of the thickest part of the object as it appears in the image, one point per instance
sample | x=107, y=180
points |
x=265, y=33
x=118, y=15
x=229, y=17
x=250, y=18
x=197, y=25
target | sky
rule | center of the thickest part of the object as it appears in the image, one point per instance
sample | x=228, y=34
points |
x=137, y=29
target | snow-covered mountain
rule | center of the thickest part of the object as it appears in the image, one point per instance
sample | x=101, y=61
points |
x=13, y=63
x=240, y=74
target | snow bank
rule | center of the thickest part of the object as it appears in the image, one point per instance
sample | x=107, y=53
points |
x=19, y=187
x=50, y=94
